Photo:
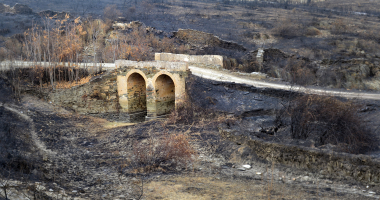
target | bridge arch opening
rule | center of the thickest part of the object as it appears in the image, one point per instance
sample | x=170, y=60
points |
x=165, y=94
x=136, y=87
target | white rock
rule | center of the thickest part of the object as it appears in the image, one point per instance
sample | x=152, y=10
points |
x=241, y=169
x=371, y=192
x=258, y=173
x=247, y=166
x=74, y=191
x=40, y=187
x=51, y=190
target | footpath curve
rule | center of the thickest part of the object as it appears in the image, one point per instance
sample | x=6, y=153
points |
x=218, y=75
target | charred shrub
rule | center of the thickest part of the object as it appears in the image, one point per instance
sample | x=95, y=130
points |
x=167, y=152
x=298, y=71
x=288, y=29
x=327, y=120
x=339, y=26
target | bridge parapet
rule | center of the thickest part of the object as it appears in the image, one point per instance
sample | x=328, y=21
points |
x=163, y=65
x=203, y=59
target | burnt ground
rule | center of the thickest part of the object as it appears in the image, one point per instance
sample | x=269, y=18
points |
x=90, y=157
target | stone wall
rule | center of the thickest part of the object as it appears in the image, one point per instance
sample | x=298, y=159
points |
x=97, y=98
x=202, y=59
x=327, y=163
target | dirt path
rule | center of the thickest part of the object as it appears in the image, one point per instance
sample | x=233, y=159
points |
x=39, y=144
x=224, y=76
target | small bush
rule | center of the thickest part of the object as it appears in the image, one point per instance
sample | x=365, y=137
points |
x=329, y=120
x=186, y=113
x=339, y=26
x=288, y=30
x=169, y=151
x=298, y=72
x=312, y=31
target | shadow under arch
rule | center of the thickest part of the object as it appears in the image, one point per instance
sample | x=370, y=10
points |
x=136, y=91
x=165, y=94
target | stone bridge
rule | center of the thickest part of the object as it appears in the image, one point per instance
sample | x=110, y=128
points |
x=130, y=90
x=152, y=88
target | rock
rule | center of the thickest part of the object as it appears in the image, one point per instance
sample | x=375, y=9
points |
x=247, y=166
x=305, y=178
x=40, y=187
x=241, y=169
x=22, y=9
x=371, y=192
x=203, y=39
x=54, y=14
x=2, y=8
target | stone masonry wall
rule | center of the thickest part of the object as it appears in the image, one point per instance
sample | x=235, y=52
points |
x=97, y=98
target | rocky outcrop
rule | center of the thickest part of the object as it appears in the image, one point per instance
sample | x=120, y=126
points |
x=127, y=26
x=54, y=14
x=22, y=9
x=202, y=39
x=17, y=9
x=2, y=8
x=328, y=163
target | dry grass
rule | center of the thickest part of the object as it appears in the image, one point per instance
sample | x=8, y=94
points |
x=312, y=31
x=372, y=84
x=70, y=84
x=111, y=125
x=213, y=187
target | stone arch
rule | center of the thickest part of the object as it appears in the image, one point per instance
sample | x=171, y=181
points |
x=136, y=93
x=138, y=72
x=164, y=89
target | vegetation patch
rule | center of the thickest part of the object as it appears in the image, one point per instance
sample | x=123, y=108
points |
x=327, y=120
